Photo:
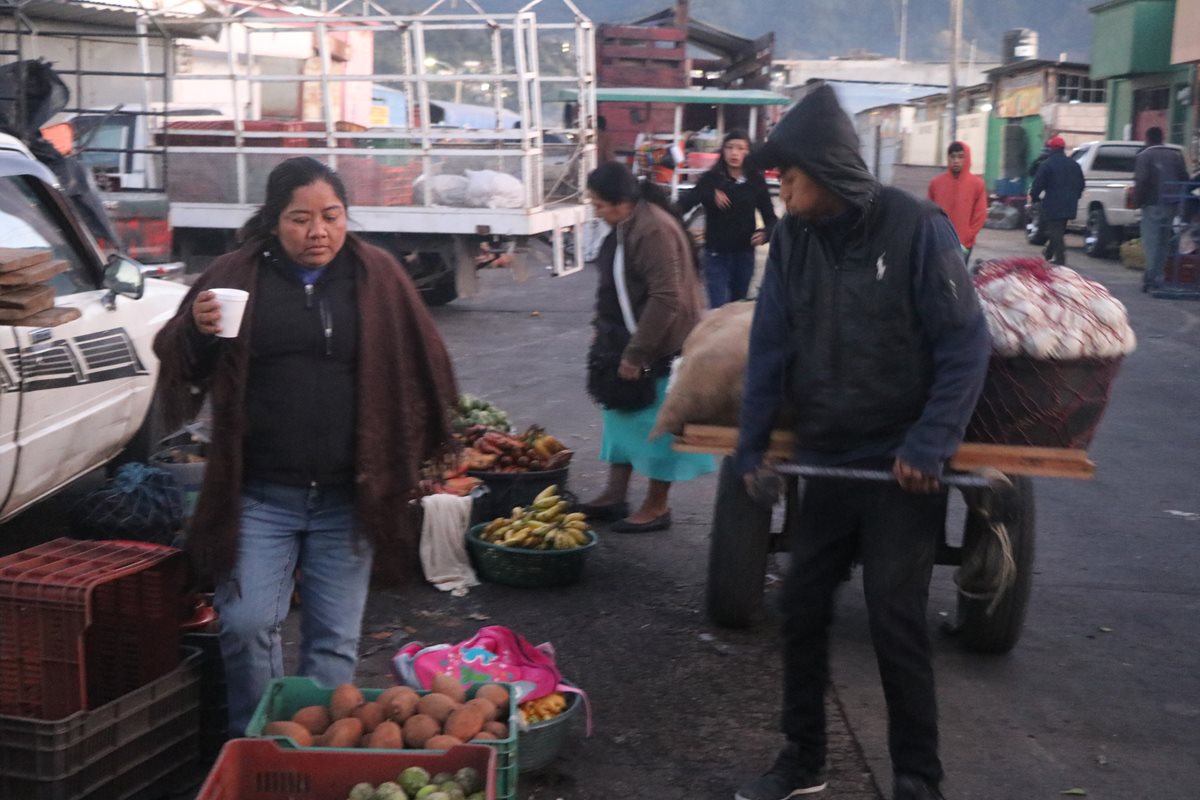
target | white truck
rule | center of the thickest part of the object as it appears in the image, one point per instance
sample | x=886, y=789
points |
x=288, y=81
x=1105, y=216
x=75, y=396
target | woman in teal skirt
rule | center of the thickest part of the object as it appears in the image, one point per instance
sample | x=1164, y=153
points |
x=649, y=293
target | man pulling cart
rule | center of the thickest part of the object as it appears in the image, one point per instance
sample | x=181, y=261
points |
x=868, y=335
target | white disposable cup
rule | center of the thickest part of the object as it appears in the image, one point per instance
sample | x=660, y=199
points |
x=233, y=306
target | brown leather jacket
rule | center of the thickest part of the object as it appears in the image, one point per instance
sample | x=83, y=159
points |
x=663, y=285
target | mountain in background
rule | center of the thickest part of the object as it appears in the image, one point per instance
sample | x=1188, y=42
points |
x=823, y=28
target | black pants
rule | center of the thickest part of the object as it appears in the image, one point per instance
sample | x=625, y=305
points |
x=894, y=534
x=1056, y=248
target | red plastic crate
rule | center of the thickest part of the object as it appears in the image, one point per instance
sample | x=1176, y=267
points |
x=144, y=740
x=85, y=622
x=261, y=769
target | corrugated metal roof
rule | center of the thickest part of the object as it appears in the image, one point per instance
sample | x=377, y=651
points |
x=178, y=16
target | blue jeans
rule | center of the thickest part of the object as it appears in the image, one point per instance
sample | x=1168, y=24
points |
x=728, y=276
x=284, y=527
x=1156, y=232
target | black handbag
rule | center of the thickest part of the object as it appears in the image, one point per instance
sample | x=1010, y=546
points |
x=608, y=388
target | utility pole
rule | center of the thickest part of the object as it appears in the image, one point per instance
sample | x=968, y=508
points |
x=903, y=30
x=952, y=90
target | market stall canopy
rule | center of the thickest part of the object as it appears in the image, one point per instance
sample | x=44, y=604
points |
x=637, y=94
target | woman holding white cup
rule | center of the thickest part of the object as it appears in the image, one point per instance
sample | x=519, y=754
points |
x=327, y=395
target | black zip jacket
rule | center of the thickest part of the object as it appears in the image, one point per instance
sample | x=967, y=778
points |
x=867, y=326
x=301, y=394
x=728, y=230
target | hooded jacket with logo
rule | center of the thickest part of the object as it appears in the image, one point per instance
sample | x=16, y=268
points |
x=867, y=325
x=963, y=197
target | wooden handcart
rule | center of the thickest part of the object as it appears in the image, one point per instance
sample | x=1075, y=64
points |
x=998, y=536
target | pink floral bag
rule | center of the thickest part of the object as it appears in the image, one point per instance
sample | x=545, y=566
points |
x=494, y=654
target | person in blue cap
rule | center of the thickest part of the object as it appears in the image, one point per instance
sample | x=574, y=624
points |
x=868, y=331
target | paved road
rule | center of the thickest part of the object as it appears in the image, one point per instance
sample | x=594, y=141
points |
x=1102, y=694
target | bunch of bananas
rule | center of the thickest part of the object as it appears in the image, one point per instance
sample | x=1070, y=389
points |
x=542, y=525
x=543, y=708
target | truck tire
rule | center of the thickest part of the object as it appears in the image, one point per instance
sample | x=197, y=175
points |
x=1033, y=228
x=1097, y=237
x=998, y=631
x=442, y=291
x=737, y=555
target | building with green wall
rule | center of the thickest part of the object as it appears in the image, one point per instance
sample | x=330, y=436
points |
x=1032, y=100
x=1131, y=50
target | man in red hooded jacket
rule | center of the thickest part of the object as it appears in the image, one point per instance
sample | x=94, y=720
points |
x=961, y=195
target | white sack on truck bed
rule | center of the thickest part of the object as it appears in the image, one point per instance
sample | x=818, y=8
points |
x=487, y=188
x=706, y=385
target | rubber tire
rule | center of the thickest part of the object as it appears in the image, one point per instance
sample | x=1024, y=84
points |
x=737, y=555
x=999, y=631
x=444, y=290
x=1097, y=238
x=1036, y=236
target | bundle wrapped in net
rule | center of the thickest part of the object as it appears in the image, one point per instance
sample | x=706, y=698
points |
x=1058, y=340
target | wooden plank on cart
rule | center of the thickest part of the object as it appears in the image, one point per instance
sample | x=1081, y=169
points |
x=37, y=273
x=50, y=318
x=14, y=258
x=26, y=300
x=1046, y=462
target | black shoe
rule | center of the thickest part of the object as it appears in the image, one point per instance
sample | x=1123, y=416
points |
x=784, y=780
x=656, y=524
x=604, y=513
x=914, y=787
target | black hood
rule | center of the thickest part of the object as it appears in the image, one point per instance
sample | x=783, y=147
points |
x=817, y=136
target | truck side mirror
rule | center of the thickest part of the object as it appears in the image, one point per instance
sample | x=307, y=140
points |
x=123, y=276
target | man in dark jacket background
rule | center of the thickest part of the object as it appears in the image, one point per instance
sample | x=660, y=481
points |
x=1155, y=170
x=867, y=329
x=1060, y=180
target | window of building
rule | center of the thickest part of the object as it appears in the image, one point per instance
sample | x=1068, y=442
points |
x=1078, y=89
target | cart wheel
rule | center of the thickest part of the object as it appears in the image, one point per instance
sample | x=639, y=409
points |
x=998, y=629
x=737, y=555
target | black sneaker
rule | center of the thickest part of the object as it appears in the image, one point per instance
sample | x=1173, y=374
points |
x=914, y=787
x=782, y=781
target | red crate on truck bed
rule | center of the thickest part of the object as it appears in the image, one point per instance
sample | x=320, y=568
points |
x=85, y=622
x=261, y=769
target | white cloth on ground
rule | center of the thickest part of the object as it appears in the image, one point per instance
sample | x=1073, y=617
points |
x=443, y=547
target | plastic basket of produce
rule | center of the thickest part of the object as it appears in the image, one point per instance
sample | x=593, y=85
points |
x=1027, y=401
x=266, y=771
x=541, y=742
x=85, y=622
x=142, y=739
x=507, y=490
x=306, y=716
x=525, y=567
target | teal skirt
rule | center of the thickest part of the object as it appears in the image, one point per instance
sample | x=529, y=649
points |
x=626, y=440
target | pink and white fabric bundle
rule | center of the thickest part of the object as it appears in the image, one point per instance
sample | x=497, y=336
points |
x=1051, y=313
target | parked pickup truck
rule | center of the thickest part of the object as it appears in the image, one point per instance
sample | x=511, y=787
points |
x=78, y=395
x=1104, y=217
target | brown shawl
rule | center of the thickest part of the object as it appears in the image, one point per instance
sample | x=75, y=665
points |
x=406, y=390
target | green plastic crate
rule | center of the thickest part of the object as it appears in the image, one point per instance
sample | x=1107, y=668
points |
x=285, y=696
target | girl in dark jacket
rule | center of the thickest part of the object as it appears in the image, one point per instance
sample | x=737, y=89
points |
x=731, y=192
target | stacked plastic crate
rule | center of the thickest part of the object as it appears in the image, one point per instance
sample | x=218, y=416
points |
x=95, y=700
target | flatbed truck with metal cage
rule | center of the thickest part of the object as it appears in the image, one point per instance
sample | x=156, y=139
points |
x=211, y=104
